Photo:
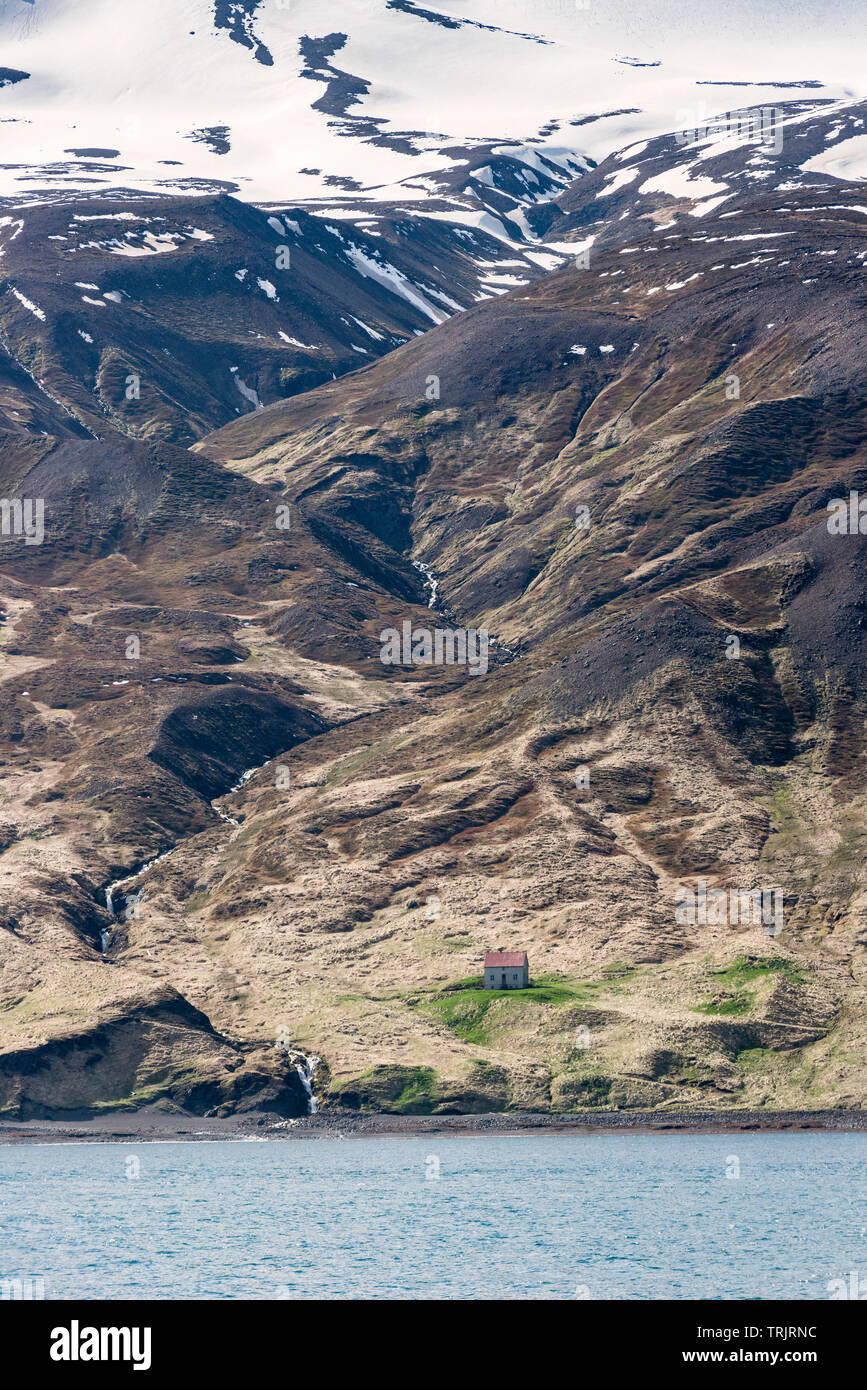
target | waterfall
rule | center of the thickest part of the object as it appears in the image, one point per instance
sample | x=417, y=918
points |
x=430, y=582
x=305, y=1067
x=134, y=898
x=242, y=780
x=245, y=776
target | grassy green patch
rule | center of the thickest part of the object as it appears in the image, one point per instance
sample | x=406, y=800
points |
x=394, y=1089
x=463, y=1006
x=746, y=970
x=780, y=803
x=736, y=1004
x=753, y=1057
x=463, y=1011
x=580, y=1092
x=787, y=829
x=417, y=1091
x=469, y=982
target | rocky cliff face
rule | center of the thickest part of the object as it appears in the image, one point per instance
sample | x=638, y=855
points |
x=622, y=473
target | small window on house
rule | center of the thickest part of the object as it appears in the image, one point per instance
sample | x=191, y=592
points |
x=514, y=977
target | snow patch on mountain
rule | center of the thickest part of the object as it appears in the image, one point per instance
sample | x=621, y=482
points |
x=847, y=160
x=28, y=304
x=681, y=183
x=393, y=280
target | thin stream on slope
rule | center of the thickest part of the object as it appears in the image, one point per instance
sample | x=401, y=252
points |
x=120, y=914
x=432, y=585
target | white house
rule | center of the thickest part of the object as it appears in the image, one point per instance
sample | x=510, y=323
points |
x=507, y=970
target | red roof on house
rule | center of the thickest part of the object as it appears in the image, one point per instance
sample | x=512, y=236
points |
x=505, y=958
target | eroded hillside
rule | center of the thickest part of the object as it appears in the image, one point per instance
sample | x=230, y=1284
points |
x=622, y=473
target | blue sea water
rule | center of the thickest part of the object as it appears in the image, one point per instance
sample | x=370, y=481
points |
x=756, y=1216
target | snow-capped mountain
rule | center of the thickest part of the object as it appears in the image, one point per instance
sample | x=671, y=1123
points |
x=410, y=160
x=290, y=99
x=427, y=286
x=228, y=202
x=674, y=184
x=165, y=316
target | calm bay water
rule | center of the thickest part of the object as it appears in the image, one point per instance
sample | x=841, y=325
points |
x=611, y=1217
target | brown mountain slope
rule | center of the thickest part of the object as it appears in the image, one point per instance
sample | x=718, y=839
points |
x=675, y=697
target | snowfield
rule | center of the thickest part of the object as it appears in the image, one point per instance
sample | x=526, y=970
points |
x=156, y=95
x=847, y=160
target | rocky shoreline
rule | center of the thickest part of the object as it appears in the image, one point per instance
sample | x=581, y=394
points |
x=151, y=1125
